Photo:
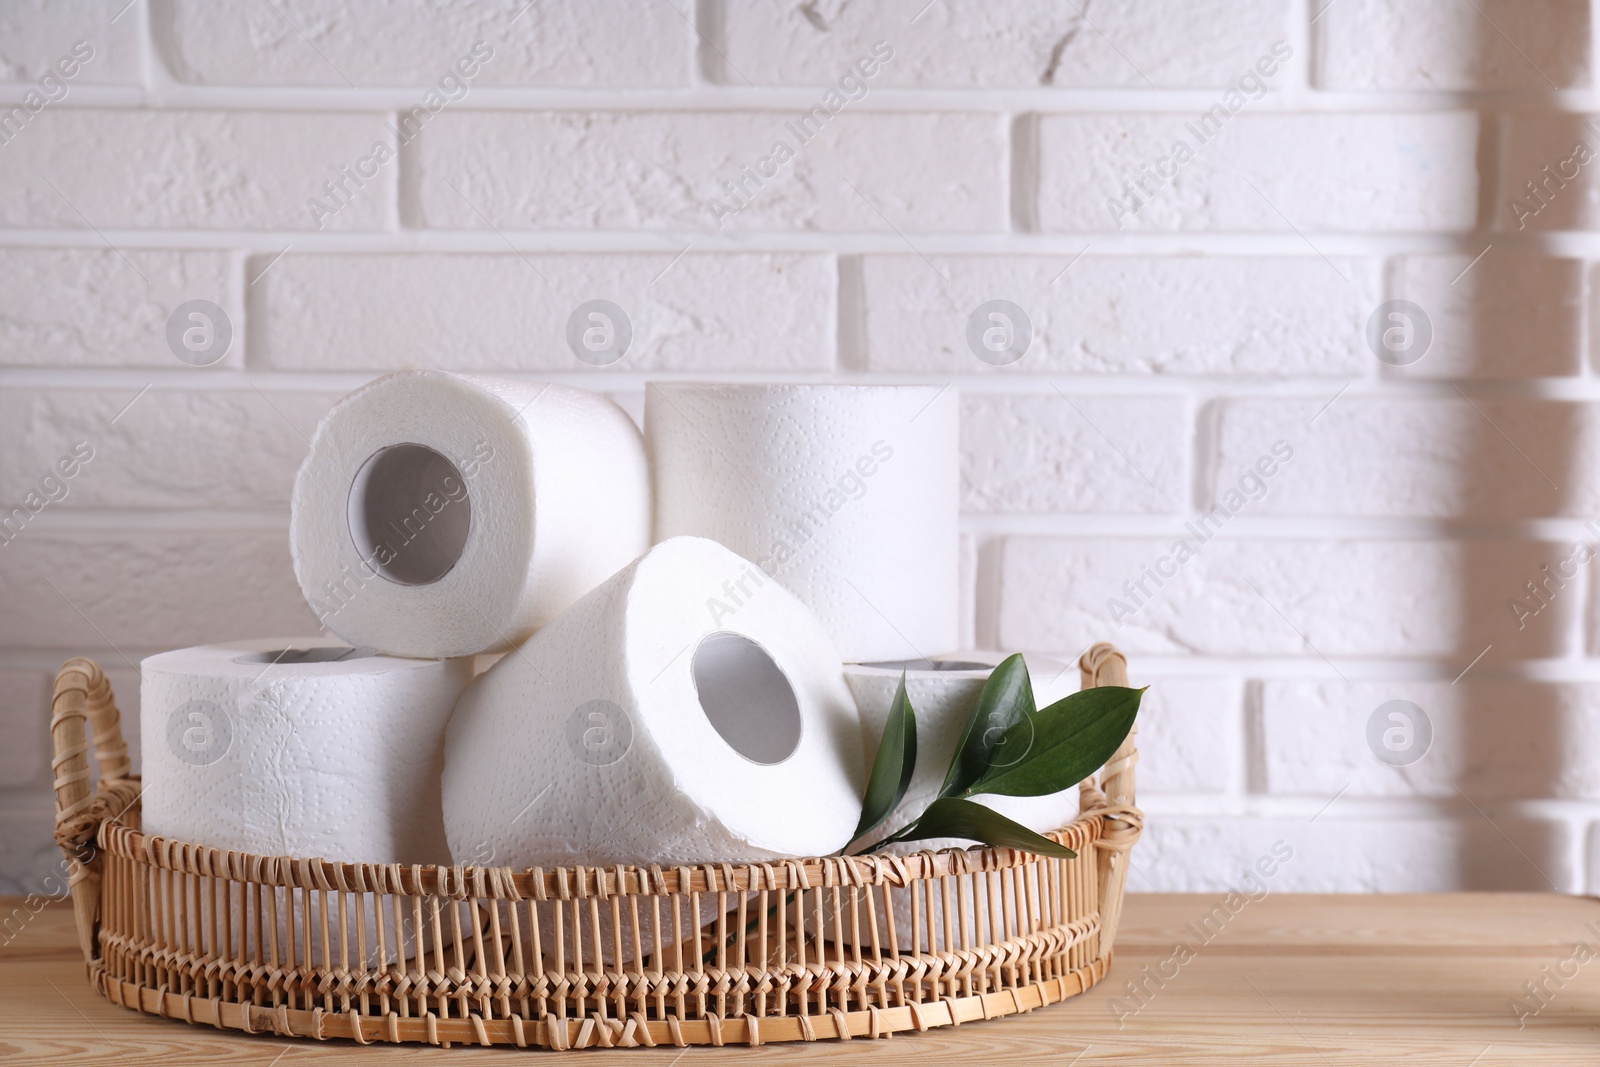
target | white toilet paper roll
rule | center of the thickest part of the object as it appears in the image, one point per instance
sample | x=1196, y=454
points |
x=943, y=692
x=847, y=494
x=444, y=515
x=645, y=725
x=305, y=747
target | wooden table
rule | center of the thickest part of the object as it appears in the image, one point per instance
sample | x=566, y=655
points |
x=1321, y=980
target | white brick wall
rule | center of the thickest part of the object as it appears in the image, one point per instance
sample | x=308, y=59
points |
x=90, y=306
x=1398, y=171
x=653, y=170
x=1358, y=152
x=1125, y=315
x=1012, y=45
x=700, y=312
x=1454, y=44
x=414, y=43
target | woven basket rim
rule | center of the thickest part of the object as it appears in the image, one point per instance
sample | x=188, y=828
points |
x=119, y=836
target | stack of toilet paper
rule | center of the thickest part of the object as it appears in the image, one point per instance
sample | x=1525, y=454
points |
x=700, y=631
x=435, y=517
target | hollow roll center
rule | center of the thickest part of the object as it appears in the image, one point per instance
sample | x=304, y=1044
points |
x=284, y=656
x=747, y=698
x=409, y=514
x=928, y=665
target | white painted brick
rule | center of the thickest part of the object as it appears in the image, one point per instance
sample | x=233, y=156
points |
x=144, y=588
x=30, y=862
x=1491, y=738
x=1057, y=453
x=1545, y=183
x=1334, y=855
x=25, y=718
x=1441, y=599
x=1360, y=172
x=1185, y=315
x=192, y=170
x=579, y=43
x=702, y=312
x=1189, y=734
x=34, y=34
x=99, y=307
x=1510, y=315
x=233, y=448
x=655, y=170
x=1453, y=44
x=1449, y=457
x=1020, y=44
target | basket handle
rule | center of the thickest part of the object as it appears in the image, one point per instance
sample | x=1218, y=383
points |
x=82, y=708
x=1102, y=664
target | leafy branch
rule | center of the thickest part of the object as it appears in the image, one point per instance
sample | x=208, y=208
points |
x=1010, y=747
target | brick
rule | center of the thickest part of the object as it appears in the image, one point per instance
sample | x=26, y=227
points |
x=1449, y=457
x=1459, y=44
x=1055, y=453
x=1509, y=315
x=1548, y=165
x=1186, y=854
x=1384, y=456
x=30, y=862
x=201, y=170
x=1309, y=172
x=1266, y=317
x=1440, y=599
x=1189, y=735
x=1491, y=738
x=1021, y=44
x=702, y=312
x=99, y=307
x=170, y=448
x=562, y=43
x=663, y=170
x=34, y=34
x=25, y=718
x=148, y=589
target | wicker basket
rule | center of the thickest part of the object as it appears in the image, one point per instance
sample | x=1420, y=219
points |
x=308, y=948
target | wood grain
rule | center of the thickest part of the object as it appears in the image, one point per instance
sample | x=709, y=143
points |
x=1316, y=980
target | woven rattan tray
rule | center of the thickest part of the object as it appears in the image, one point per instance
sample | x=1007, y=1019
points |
x=578, y=957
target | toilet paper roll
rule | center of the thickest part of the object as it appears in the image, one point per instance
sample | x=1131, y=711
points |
x=846, y=494
x=444, y=515
x=645, y=725
x=943, y=691
x=304, y=747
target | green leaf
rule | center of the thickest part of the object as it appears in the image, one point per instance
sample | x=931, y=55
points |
x=955, y=817
x=1061, y=745
x=1006, y=699
x=892, y=767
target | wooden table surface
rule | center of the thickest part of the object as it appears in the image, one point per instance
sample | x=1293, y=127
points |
x=1321, y=980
